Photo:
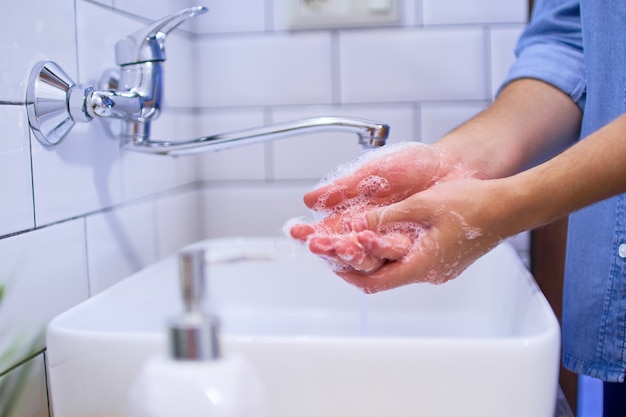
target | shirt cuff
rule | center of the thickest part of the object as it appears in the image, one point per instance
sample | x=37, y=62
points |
x=555, y=64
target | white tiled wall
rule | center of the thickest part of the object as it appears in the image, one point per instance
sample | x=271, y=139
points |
x=77, y=218
x=440, y=65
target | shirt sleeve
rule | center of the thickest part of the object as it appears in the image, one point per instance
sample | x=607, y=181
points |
x=551, y=48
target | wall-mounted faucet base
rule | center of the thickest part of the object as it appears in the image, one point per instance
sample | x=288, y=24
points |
x=47, y=98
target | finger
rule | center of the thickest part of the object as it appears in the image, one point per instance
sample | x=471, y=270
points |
x=322, y=246
x=341, y=251
x=366, y=181
x=412, y=213
x=422, y=263
x=406, y=171
x=325, y=197
x=301, y=231
x=353, y=254
x=390, y=275
x=391, y=247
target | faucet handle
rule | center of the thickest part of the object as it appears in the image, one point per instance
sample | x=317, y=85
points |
x=147, y=44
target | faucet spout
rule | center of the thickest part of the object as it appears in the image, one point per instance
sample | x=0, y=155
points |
x=370, y=134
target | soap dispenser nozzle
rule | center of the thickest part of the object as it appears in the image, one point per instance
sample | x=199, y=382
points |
x=195, y=334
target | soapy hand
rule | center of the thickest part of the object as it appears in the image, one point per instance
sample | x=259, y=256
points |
x=448, y=241
x=387, y=175
x=384, y=177
x=357, y=248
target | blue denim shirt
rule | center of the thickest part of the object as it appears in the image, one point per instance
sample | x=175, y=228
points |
x=580, y=47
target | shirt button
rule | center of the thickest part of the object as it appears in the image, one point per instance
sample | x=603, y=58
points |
x=622, y=250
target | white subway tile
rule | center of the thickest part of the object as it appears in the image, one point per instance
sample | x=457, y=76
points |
x=231, y=17
x=313, y=156
x=146, y=174
x=42, y=274
x=16, y=189
x=28, y=34
x=278, y=69
x=23, y=390
x=251, y=209
x=153, y=9
x=106, y=3
x=438, y=12
x=119, y=243
x=96, y=48
x=280, y=15
x=411, y=12
x=177, y=221
x=186, y=170
x=79, y=175
x=179, y=72
x=243, y=163
x=503, y=42
x=176, y=124
x=413, y=65
x=439, y=119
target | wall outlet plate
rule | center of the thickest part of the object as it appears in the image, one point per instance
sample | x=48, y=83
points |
x=335, y=14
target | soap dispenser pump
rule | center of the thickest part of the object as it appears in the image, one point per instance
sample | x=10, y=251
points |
x=195, y=379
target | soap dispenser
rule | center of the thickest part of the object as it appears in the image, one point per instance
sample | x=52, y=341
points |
x=195, y=379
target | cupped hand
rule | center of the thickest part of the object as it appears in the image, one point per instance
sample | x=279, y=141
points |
x=384, y=177
x=358, y=250
x=458, y=223
x=387, y=175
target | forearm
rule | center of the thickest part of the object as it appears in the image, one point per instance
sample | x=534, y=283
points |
x=588, y=172
x=528, y=121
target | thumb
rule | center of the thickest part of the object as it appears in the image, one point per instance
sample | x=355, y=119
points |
x=411, y=210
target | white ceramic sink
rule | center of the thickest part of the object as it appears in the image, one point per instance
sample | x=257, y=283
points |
x=483, y=345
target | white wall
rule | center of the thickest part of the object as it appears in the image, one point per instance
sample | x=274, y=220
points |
x=441, y=65
x=79, y=217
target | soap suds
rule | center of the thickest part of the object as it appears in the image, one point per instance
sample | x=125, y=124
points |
x=336, y=215
x=471, y=233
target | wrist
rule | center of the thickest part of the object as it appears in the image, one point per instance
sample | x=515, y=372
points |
x=522, y=204
x=463, y=157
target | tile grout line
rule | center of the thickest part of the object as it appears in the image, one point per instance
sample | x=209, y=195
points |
x=335, y=67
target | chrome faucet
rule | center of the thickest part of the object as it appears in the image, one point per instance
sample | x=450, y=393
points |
x=370, y=134
x=130, y=98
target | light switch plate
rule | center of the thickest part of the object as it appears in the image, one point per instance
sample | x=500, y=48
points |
x=331, y=14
